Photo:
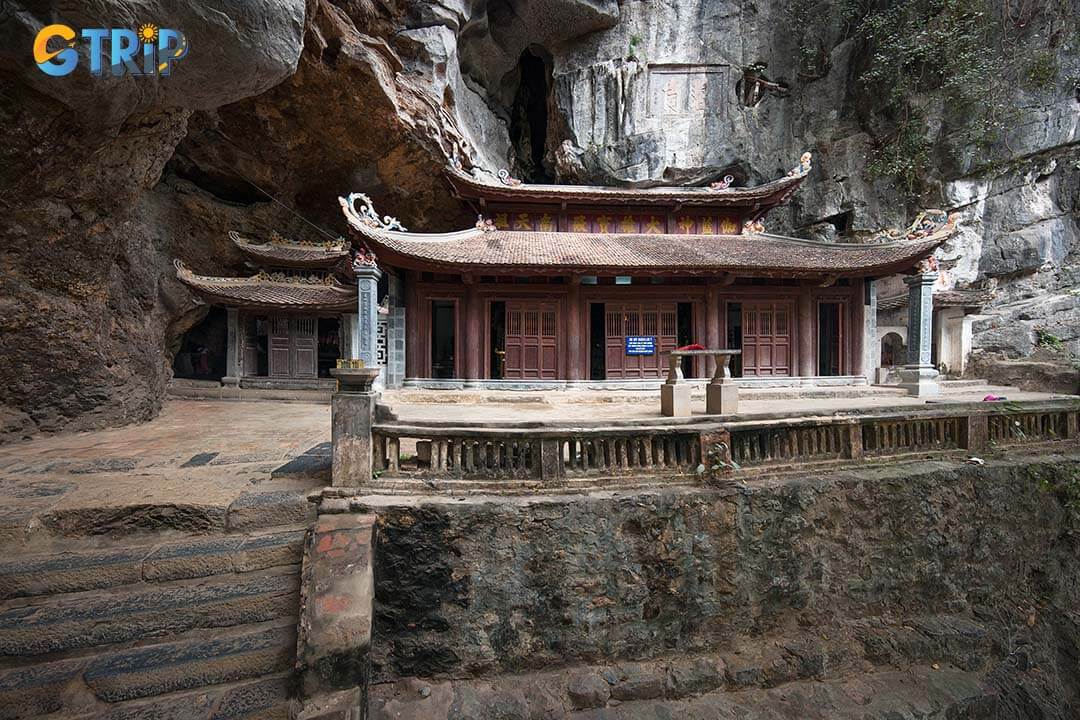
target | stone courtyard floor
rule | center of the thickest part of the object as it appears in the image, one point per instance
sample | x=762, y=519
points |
x=210, y=457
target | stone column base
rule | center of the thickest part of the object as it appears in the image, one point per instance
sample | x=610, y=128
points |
x=230, y=381
x=722, y=398
x=920, y=380
x=675, y=400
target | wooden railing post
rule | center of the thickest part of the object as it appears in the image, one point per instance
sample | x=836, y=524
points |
x=975, y=432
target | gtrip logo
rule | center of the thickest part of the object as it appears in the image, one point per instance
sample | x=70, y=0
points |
x=147, y=51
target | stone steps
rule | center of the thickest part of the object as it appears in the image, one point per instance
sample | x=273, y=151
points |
x=919, y=693
x=126, y=563
x=144, y=626
x=920, y=667
x=71, y=686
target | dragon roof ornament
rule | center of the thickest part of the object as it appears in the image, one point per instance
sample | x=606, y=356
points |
x=927, y=222
x=367, y=215
x=803, y=167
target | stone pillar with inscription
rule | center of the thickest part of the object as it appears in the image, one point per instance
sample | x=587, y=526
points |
x=919, y=377
x=233, y=371
x=367, y=340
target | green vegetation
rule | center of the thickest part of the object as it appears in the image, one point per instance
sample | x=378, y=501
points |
x=1047, y=340
x=935, y=68
x=717, y=465
x=1067, y=491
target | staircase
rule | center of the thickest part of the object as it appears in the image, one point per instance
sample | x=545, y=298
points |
x=155, y=626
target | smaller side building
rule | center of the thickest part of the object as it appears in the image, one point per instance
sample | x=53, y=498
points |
x=291, y=321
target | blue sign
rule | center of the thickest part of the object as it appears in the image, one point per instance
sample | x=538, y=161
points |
x=640, y=345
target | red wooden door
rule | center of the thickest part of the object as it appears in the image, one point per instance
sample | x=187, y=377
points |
x=766, y=338
x=278, y=339
x=622, y=320
x=305, y=347
x=532, y=340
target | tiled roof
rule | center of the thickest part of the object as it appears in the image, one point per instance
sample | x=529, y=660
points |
x=763, y=196
x=557, y=252
x=270, y=292
x=292, y=254
x=943, y=298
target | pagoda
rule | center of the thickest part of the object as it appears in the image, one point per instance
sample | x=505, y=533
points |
x=564, y=284
x=287, y=323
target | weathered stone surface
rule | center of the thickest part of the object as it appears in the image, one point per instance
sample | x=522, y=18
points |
x=334, y=648
x=588, y=690
x=165, y=668
x=267, y=509
x=71, y=572
x=477, y=588
x=85, y=620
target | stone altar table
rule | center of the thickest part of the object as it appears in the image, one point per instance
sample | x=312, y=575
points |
x=721, y=394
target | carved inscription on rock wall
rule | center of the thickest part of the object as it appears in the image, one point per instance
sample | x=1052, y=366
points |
x=688, y=90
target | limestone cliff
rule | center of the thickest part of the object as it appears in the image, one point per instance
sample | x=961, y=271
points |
x=104, y=180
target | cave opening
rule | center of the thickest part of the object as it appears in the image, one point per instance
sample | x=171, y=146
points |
x=202, y=350
x=529, y=115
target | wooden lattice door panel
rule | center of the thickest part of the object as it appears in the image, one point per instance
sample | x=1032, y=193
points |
x=305, y=347
x=532, y=341
x=766, y=338
x=278, y=344
x=623, y=320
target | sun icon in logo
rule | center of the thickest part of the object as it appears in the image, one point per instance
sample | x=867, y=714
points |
x=148, y=33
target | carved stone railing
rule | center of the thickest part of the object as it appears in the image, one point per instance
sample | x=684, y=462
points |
x=551, y=454
x=486, y=452
x=971, y=427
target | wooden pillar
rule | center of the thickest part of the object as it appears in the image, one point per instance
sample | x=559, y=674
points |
x=473, y=343
x=807, y=361
x=712, y=325
x=858, y=329
x=414, y=320
x=575, y=342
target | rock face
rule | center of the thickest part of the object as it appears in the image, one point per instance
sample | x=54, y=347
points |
x=666, y=595
x=281, y=106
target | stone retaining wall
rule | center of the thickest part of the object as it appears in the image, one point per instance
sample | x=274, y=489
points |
x=471, y=588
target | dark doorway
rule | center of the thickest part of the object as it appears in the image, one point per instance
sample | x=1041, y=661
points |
x=734, y=336
x=256, y=346
x=597, y=361
x=443, y=350
x=202, y=354
x=830, y=335
x=329, y=345
x=498, y=340
x=685, y=335
x=529, y=116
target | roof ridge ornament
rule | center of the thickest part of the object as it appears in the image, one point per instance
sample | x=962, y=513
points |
x=753, y=227
x=803, y=167
x=485, y=225
x=722, y=184
x=926, y=223
x=365, y=258
x=505, y=179
x=367, y=215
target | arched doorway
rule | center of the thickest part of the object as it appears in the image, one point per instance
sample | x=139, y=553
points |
x=893, y=352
